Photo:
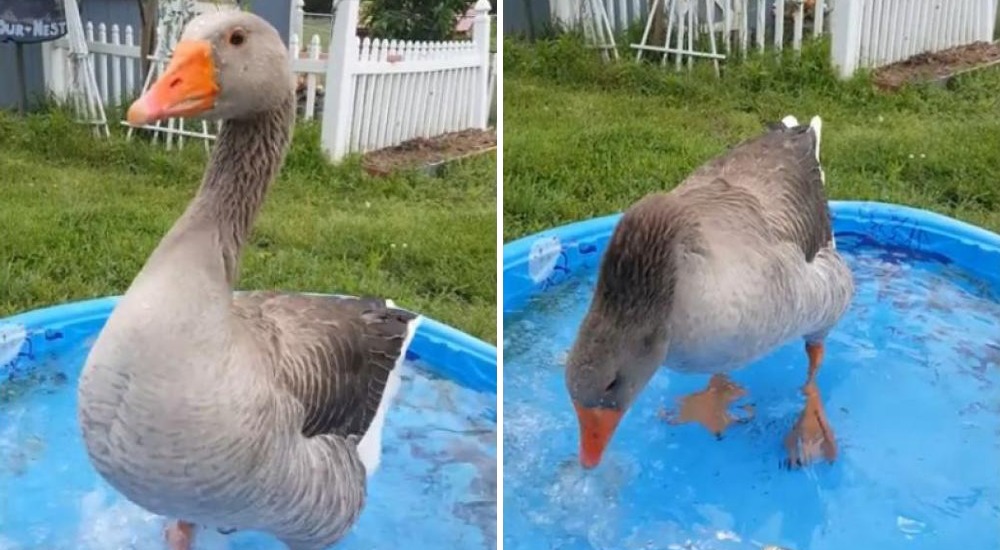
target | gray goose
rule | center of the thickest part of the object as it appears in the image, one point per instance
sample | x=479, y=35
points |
x=256, y=411
x=736, y=261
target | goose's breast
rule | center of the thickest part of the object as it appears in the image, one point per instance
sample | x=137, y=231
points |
x=171, y=436
x=730, y=311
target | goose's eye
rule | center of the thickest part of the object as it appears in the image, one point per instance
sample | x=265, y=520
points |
x=613, y=385
x=238, y=37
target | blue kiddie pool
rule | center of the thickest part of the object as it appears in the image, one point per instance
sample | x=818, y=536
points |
x=435, y=488
x=911, y=386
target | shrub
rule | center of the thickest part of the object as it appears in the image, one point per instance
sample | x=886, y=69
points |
x=413, y=19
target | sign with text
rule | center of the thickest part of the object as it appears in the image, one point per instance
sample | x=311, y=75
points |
x=28, y=21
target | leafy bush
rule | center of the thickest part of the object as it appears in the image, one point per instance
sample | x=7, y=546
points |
x=413, y=19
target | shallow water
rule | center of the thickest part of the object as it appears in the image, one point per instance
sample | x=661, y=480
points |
x=435, y=488
x=911, y=385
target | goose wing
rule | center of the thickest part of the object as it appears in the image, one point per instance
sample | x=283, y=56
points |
x=332, y=354
x=781, y=171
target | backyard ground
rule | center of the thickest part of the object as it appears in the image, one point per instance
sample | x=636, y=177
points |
x=584, y=139
x=79, y=217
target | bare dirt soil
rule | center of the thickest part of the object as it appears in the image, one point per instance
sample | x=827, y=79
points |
x=938, y=65
x=420, y=152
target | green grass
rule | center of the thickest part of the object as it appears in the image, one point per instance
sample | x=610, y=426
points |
x=583, y=138
x=80, y=216
x=319, y=26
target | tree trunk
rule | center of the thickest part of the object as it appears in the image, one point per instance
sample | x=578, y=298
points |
x=148, y=12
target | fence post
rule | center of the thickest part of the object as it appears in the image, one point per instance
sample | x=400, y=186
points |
x=54, y=68
x=565, y=13
x=481, y=39
x=845, y=30
x=338, y=103
x=295, y=21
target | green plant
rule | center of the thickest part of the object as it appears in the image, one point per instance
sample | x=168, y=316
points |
x=585, y=138
x=81, y=215
x=413, y=19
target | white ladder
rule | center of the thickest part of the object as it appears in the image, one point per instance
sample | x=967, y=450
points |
x=87, y=103
x=684, y=21
x=172, y=17
x=597, y=28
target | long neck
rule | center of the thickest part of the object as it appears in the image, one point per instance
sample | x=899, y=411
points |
x=247, y=156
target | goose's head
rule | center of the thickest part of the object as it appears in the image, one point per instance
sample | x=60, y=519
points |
x=625, y=335
x=226, y=65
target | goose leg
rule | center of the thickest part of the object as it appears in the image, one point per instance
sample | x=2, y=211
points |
x=811, y=437
x=179, y=535
x=710, y=407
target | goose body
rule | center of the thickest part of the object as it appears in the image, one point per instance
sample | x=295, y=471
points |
x=760, y=266
x=737, y=260
x=257, y=411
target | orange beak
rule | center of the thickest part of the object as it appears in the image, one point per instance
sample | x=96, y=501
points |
x=596, y=428
x=187, y=87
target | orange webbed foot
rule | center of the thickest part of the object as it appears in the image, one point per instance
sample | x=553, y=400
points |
x=710, y=407
x=811, y=437
x=179, y=535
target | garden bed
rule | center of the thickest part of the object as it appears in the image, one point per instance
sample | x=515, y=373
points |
x=430, y=154
x=938, y=66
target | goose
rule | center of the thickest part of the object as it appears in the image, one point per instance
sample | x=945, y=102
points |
x=736, y=261
x=252, y=411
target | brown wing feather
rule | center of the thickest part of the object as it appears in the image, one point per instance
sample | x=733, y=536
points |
x=780, y=169
x=332, y=354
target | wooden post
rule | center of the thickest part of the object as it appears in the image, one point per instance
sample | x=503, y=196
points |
x=481, y=38
x=658, y=31
x=338, y=103
x=22, y=104
x=296, y=19
x=148, y=13
x=845, y=30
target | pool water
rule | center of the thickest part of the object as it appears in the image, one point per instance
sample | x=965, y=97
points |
x=435, y=488
x=911, y=385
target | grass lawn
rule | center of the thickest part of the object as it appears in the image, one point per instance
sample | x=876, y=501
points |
x=80, y=216
x=583, y=139
x=319, y=26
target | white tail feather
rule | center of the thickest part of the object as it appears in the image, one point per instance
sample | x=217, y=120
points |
x=817, y=126
x=370, y=446
x=790, y=121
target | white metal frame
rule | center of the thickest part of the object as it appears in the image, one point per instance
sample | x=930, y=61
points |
x=172, y=17
x=83, y=90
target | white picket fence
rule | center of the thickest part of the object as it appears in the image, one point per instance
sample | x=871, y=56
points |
x=865, y=33
x=724, y=27
x=369, y=94
x=309, y=65
x=624, y=13
x=733, y=27
x=873, y=33
x=116, y=64
x=115, y=54
x=383, y=92
x=432, y=87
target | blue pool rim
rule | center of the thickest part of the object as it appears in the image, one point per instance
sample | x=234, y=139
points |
x=446, y=350
x=888, y=225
